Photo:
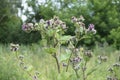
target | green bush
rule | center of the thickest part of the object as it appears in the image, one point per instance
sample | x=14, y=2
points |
x=115, y=37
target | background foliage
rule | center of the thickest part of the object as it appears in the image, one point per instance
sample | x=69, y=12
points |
x=104, y=14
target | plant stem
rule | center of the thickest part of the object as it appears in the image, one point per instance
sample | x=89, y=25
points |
x=57, y=62
x=84, y=69
x=76, y=72
x=68, y=62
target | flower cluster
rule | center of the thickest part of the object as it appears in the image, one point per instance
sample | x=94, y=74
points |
x=80, y=26
x=54, y=23
x=75, y=59
x=75, y=62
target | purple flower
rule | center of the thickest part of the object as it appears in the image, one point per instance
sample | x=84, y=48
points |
x=91, y=28
x=48, y=22
x=24, y=27
x=27, y=27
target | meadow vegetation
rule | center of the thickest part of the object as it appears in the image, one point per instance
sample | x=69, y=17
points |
x=45, y=64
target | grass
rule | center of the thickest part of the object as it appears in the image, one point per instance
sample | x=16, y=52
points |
x=45, y=64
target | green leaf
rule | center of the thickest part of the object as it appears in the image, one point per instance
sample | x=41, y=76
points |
x=64, y=39
x=51, y=50
x=50, y=32
x=65, y=56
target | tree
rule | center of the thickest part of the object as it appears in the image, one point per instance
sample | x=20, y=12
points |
x=9, y=21
x=105, y=16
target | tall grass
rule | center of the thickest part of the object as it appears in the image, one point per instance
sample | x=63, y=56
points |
x=45, y=64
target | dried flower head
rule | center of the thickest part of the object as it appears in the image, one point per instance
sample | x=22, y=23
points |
x=14, y=47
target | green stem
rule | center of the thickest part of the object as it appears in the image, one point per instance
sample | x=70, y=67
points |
x=57, y=62
x=76, y=72
x=68, y=63
x=16, y=54
x=84, y=69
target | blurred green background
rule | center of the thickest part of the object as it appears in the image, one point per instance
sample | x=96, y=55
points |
x=104, y=14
